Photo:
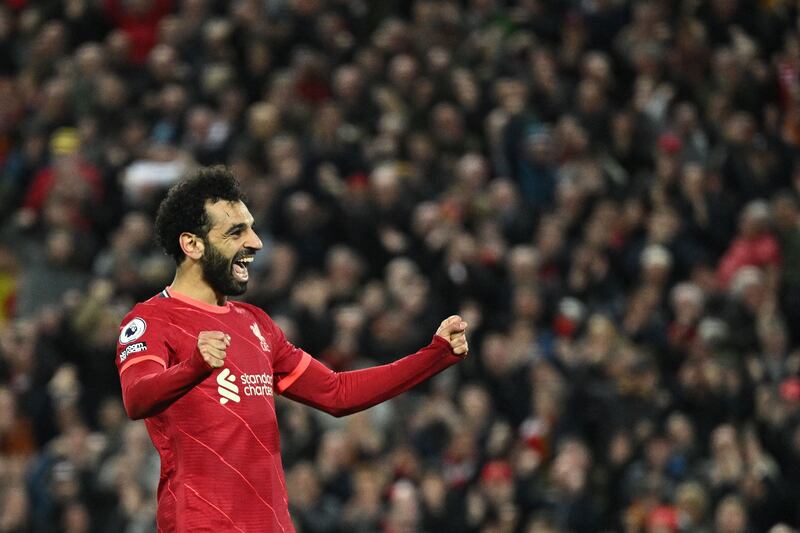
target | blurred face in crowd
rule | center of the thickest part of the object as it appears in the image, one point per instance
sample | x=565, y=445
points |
x=693, y=181
x=173, y=100
x=754, y=219
x=386, y=186
x=663, y=225
x=657, y=452
x=685, y=118
x=590, y=97
x=7, y=410
x=476, y=404
x=691, y=501
x=404, y=512
x=785, y=213
x=163, y=62
x=90, y=58
x=403, y=71
x=60, y=247
x=731, y=516
x=448, y=123
x=348, y=83
x=680, y=431
x=118, y=46
x=523, y=264
x=302, y=485
x=263, y=120
x=569, y=470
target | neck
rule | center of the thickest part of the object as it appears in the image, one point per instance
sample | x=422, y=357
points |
x=189, y=281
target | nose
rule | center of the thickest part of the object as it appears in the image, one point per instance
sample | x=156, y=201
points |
x=253, y=241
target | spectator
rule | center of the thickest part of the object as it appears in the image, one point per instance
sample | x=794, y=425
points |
x=755, y=245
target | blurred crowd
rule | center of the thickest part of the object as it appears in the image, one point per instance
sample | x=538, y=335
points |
x=607, y=190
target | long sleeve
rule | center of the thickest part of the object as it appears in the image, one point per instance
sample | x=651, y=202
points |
x=148, y=388
x=343, y=393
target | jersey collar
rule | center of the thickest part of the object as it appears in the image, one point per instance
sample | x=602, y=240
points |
x=219, y=309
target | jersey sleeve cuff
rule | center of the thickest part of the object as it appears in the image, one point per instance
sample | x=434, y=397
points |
x=442, y=346
x=301, y=367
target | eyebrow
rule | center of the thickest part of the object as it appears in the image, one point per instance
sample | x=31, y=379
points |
x=236, y=227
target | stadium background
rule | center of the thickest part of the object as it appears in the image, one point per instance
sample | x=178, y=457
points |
x=606, y=190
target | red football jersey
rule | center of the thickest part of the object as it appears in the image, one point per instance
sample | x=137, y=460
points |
x=220, y=454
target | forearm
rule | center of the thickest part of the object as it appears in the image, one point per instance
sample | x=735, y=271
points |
x=147, y=391
x=343, y=393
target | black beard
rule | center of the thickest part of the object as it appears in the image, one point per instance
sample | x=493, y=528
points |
x=218, y=271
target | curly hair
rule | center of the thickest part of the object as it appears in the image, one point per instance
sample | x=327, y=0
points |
x=184, y=207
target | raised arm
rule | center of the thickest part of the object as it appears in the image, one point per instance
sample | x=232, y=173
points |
x=148, y=387
x=344, y=393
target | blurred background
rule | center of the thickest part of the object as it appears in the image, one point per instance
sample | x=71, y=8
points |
x=607, y=191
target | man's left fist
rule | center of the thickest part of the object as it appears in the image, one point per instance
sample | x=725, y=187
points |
x=454, y=331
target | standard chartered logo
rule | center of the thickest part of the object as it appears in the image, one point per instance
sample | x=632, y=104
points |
x=257, y=384
x=251, y=385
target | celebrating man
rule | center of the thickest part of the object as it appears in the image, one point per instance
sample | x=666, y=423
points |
x=203, y=371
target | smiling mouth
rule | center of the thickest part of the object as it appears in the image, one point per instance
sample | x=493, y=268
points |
x=239, y=268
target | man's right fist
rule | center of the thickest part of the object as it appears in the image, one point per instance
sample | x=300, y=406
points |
x=212, y=345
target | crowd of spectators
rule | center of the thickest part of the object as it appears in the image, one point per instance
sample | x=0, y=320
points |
x=607, y=191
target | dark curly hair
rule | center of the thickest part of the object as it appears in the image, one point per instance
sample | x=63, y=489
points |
x=184, y=207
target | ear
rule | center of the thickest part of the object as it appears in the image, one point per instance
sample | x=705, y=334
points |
x=192, y=245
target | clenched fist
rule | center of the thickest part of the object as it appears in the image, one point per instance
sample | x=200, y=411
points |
x=454, y=331
x=212, y=345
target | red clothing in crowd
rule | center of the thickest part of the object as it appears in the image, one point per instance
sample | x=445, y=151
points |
x=45, y=180
x=761, y=251
x=142, y=28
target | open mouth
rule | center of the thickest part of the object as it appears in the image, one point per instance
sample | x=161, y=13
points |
x=239, y=268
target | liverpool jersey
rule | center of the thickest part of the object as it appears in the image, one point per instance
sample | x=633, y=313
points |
x=220, y=455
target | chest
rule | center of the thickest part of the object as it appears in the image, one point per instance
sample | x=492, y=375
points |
x=246, y=378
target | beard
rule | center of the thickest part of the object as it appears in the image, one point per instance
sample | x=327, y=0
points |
x=218, y=271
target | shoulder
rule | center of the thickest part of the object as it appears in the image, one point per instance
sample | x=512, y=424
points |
x=258, y=314
x=154, y=307
x=145, y=315
x=250, y=309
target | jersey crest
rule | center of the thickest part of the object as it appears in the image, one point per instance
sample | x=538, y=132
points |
x=257, y=332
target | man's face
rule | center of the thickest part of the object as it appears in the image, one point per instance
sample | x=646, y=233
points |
x=230, y=246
